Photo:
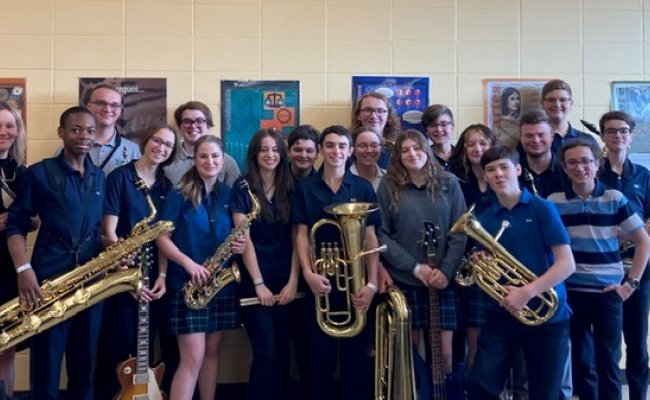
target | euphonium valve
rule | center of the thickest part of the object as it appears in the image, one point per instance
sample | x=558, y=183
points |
x=344, y=265
x=503, y=269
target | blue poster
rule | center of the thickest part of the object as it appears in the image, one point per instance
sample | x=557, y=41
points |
x=248, y=106
x=409, y=96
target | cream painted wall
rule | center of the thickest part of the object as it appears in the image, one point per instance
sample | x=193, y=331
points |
x=197, y=43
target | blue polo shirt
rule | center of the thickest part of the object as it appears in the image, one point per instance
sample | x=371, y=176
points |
x=312, y=195
x=593, y=224
x=70, y=207
x=198, y=230
x=535, y=227
x=125, y=201
x=550, y=181
x=272, y=241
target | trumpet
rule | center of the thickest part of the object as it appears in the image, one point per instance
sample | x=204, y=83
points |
x=344, y=265
x=504, y=269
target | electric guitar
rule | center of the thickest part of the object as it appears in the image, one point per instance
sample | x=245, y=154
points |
x=438, y=386
x=139, y=382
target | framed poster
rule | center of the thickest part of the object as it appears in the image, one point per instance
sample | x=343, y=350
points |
x=633, y=97
x=505, y=100
x=14, y=92
x=248, y=106
x=145, y=102
x=409, y=96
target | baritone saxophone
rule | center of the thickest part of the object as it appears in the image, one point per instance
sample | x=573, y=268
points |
x=72, y=292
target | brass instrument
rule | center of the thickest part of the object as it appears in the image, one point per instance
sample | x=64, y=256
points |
x=253, y=301
x=530, y=180
x=503, y=269
x=625, y=246
x=344, y=265
x=197, y=296
x=84, y=286
x=394, y=371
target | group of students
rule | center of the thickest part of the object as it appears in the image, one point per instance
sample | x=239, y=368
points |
x=569, y=242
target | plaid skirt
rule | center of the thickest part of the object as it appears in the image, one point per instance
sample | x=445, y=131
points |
x=417, y=298
x=473, y=304
x=220, y=315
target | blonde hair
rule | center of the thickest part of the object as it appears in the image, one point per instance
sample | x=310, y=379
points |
x=17, y=149
x=191, y=183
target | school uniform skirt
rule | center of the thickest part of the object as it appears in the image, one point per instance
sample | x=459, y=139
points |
x=417, y=299
x=219, y=315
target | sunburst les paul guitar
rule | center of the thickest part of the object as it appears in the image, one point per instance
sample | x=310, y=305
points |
x=138, y=380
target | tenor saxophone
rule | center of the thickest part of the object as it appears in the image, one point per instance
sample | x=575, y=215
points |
x=84, y=286
x=197, y=296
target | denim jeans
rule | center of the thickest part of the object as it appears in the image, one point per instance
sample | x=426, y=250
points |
x=544, y=347
x=596, y=340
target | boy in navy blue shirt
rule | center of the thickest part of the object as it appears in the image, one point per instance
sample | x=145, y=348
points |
x=538, y=240
x=67, y=193
x=333, y=184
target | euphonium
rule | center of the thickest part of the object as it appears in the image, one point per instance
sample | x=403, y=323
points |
x=198, y=296
x=502, y=270
x=394, y=372
x=84, y=286
x=344, y=265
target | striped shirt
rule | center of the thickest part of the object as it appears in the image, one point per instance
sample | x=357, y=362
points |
x=592, y=226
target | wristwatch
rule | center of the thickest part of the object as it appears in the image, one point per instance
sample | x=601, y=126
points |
x=633, y=283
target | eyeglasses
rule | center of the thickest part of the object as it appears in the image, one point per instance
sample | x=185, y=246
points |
x=614, y=131
x=441, y=124
x=562, y=100
x=199, y=122
x=366, y=146
x=159, y=142
x=103, y=104
x=368, y=111
x=585, y=162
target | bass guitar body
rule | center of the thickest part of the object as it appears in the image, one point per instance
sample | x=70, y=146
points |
x=139, y=386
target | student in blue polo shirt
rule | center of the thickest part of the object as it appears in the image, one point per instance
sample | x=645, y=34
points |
x=67, y=193
x=271, y=272
x=595, y=217
x=333, y=184
x=302, y=145
x=200, y=211
x=125, y=206
x=633, y=180
x=538, y=240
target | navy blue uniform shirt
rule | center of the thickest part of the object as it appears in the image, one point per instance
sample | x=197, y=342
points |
x=550, y=181
x=70, y=211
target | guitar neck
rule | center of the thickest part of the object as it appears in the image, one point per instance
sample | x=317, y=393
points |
x=143, y=335
x=435, y=335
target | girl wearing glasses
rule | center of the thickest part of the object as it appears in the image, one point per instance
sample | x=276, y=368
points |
x=374, y=112
x=124, y=206
x=367, y=150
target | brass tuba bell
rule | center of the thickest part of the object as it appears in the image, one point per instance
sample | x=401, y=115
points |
x=344, y=265
x=504, y=270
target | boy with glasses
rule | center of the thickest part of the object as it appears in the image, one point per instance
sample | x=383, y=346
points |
x=633, y=180
x=194, y=119
x=110, y=150
x=594, y=216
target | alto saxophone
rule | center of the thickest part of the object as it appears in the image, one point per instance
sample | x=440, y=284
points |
x=84, y=286
x=197, y=296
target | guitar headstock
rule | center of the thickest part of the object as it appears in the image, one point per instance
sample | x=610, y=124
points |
x=430, y=238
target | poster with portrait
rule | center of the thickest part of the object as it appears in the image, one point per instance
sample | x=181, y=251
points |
x=505, y=100
x=633, y=97
x=409, y=96
x=14, y=92
x=144, y=99
x=248, y=106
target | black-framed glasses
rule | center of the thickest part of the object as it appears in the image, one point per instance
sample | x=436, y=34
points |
x=199, y=122
x=614, y=131
x=440, y=124
x=159, y=142
x=574, y=162
x=367, y=111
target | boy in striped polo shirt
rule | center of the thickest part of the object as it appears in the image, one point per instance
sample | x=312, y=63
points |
x=595, y=218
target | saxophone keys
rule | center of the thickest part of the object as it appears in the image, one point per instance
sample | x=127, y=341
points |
x=81, y=296
x=4, y=338
x=58, y=309
x=32, y=323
